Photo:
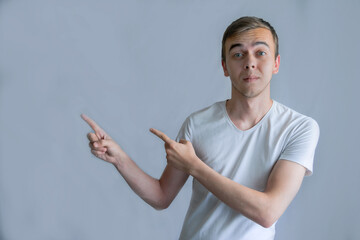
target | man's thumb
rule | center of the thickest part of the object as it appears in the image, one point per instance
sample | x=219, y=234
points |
x=183, y=141
x=106, y=142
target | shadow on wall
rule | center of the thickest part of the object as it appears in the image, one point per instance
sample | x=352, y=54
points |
x=2, y=236
x=2, y=2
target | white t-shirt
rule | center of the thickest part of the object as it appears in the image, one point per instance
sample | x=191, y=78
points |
x=246, y=157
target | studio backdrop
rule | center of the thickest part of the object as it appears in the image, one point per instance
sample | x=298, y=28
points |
x=133, y=65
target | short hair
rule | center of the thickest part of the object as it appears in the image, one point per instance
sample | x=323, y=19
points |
x=244, y=24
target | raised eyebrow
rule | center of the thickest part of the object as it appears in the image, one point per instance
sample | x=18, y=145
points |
x=255, y=44
x=235, y=45
x=261, y=43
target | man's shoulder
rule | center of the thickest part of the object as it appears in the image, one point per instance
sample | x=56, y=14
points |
x=290, y=117
x=281, y=110
x=209, y=112
x=203, y=118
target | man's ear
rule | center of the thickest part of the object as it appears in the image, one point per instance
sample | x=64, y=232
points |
x=226, y=73
x=277, y=65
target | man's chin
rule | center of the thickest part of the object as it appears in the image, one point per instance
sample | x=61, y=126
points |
x=248, y=92
x=251, y=95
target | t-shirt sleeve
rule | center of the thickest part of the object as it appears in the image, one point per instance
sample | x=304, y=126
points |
x=301, y=145
x=185, y=131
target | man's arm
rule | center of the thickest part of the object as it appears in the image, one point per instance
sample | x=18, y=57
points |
x=264, y=208
x=159, y=193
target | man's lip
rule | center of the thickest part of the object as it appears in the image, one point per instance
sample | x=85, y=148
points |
x=250, y=78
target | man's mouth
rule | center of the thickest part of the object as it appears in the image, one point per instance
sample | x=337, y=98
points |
x=251, y=78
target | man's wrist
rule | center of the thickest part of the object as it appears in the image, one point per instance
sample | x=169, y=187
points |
x=196, y=165
x=120, y=162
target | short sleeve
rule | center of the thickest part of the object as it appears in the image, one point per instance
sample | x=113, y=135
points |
x=185, y=131
x=301, y=144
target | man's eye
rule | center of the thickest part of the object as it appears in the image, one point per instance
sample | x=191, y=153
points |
x=238, y=55
x=262, y=53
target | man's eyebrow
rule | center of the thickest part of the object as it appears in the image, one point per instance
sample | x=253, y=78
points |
x=261, y=43
x=235, y=45
x=254, y=44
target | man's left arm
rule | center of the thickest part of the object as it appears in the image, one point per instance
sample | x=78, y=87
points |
x=264, y=208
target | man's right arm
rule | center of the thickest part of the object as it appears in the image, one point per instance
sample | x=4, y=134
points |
x=159, y=193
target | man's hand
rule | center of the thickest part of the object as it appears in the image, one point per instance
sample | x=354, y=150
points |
x=180, y=155
x=101, y=144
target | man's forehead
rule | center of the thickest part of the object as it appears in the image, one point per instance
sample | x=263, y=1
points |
x=252, y=37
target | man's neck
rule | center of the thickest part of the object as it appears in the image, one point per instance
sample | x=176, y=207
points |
x=247, y=112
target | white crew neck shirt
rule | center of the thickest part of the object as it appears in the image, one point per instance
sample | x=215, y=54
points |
x=247, y=158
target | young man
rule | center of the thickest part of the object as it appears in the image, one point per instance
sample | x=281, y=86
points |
x=248, y=155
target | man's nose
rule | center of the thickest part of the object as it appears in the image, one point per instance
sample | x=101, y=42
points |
x=248, y=66
x=250, y=63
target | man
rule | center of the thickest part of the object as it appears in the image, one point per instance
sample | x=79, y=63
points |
x=248, y=155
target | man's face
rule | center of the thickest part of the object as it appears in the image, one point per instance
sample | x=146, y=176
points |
x=250, y=61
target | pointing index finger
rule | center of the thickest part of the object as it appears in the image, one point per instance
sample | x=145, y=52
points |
x=99, y=132
x=161, y=135
x=91, y=123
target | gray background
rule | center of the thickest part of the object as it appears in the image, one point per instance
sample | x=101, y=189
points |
x=132, y=65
